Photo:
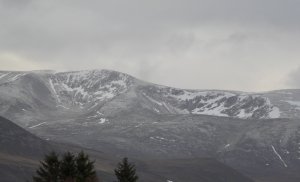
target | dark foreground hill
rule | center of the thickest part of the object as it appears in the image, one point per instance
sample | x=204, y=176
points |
x=21, y=151
x=17, y=141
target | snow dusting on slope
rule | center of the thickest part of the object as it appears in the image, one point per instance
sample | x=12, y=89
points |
x=217, y=103
x=3, y=75
x=11, y=76
x=83, y=89
x=294, y=103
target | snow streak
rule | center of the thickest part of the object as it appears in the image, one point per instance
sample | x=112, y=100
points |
x=279, y=156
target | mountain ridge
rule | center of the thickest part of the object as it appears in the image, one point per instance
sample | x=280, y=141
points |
x=184, y=101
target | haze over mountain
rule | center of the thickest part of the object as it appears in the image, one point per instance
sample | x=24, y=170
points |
x=255, y=133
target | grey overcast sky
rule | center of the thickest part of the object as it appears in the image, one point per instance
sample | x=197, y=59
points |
x=249, y=45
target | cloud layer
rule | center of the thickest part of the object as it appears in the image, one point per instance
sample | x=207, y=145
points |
x=247, y=45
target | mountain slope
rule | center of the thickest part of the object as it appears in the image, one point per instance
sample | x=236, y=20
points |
x=118, y=114
x=85, y=91
x=21, y=151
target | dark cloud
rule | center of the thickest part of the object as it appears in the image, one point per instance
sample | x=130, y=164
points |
x=156, y=40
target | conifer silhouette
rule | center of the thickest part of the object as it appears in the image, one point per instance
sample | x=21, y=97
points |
x=85, y=168
x=70, y=168
x=126, y=172
x=49, y=169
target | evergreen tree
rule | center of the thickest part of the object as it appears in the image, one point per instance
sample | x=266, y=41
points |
x=85, y=169
x=68, y=169
x=49, y=169
x=126, y=172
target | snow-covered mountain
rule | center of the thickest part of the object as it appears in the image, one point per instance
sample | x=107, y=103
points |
x=119, y=114
x=90, y=92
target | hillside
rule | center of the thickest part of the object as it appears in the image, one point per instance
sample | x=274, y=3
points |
x=255, y=133
x=20, y=153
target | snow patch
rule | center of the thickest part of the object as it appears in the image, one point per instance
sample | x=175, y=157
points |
x=3, y=75
x=274, y=150
x=244, y=115
x=188, y=95
x=37, y=125
x=119, y=82
x=216, y=103
x=167, y=107
x=294, y=103
x=162, y=139
x=208, y=111
x=152, y=100
x=274, y=113
x=62, y=106
x=226, y=146
x=54, y=91
x=102, y=120
x=77, y=90
x=98, y=112
x=156, y=110
x=104, y=95
x=17, y=76
x=136, y=126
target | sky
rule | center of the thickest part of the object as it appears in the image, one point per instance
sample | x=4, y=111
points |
x=247, y=45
